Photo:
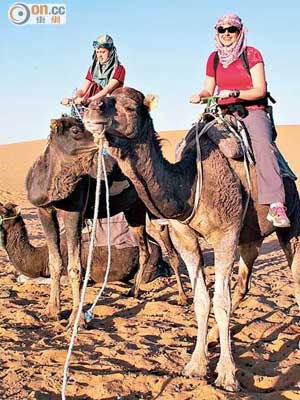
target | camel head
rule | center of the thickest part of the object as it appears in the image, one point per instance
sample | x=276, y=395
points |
x=9, y=214
x=70, y=136
x=122, y=115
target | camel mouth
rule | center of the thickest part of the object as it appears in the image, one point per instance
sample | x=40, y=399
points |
x=85, y=149
x=95, y=127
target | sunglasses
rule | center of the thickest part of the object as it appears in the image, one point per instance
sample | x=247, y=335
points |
x=230, y=29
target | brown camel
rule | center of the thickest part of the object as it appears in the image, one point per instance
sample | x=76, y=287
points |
x=33, y=262
x=62, y=180
x=168, y=191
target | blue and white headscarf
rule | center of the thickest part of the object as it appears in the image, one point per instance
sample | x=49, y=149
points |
x=102, y=72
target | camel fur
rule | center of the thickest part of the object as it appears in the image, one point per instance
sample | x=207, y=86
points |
x=168, y=191
x=33, y=262
x=63, y=180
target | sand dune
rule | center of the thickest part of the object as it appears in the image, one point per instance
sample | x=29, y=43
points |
x=17, y=158
x=135, y=349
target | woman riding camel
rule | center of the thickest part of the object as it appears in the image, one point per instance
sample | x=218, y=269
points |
x=237, y=87
x=104, y=75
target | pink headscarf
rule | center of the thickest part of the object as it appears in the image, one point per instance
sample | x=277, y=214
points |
x=228, y=55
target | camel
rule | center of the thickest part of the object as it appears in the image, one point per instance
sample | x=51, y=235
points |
x=168, y=191
x=62, y=180
x=33, y=262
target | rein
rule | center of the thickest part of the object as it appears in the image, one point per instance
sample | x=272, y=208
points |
x=199, y=182
x=214, y=110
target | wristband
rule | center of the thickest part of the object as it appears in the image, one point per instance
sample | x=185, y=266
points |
x=234, y=93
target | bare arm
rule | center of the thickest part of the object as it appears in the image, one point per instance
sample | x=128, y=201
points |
x=259, y=89
x=208, y=90
x=111, y=86
x=79, y=93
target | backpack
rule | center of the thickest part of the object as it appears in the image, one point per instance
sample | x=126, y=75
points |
x=244, y=59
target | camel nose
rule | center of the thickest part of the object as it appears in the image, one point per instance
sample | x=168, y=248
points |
x=95, y=105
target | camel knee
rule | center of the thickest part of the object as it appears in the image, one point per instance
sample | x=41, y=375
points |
x=222, y=307
x=202, y=302
x=201, y=309
x=55, y=269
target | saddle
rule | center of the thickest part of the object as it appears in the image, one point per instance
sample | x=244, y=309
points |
x=232, y=138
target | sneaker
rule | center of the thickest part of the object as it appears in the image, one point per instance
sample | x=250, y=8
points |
x=278, y=217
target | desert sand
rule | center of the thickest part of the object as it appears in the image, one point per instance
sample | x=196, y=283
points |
x=136, y=348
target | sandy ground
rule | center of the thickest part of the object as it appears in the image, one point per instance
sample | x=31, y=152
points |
x=136, y=349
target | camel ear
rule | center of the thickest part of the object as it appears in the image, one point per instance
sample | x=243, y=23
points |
x=18, y=210
x=56, y=126
x=151, y=101
x=13, y=207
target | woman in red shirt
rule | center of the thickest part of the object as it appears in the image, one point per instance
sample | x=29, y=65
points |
x=236, y=85
x=104, y=76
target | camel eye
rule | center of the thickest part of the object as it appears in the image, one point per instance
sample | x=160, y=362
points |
x=129, y=108
x=129, y=105
x=75, y=130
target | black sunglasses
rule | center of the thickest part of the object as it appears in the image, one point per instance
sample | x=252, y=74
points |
x=230, y=29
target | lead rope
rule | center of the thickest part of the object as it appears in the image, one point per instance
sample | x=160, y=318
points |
x=89, y=314
x=100, y=162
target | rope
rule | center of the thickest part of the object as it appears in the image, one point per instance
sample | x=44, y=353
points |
x=89, y=314
x=199, y=182
x=88, y=268
x=217, y=118
x=74, y=107
x=246, y=157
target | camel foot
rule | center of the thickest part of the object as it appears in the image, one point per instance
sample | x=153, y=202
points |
x=226, y=380
x=193, y=368
x=133, y=293
x=82, y=322
x=53, y=312
x=182, y=300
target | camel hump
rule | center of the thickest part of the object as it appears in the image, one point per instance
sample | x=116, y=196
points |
x=230, y=144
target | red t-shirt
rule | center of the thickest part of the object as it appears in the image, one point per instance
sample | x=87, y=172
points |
x=119, y=74
x=235, y=76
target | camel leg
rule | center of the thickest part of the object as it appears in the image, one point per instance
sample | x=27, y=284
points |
x=186, y=243
x=143, y=258
x=162, y=236
x=174, y=262
x=291, y=248
x=296, y=270
x=248, y=255
x=72, y=222
x=50, y=225
x=222, y=308
x=288, y=246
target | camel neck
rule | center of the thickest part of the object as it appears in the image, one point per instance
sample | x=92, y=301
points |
x=166, y=189
x=27, y=259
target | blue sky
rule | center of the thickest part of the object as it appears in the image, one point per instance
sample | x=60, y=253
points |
x=163, y=44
